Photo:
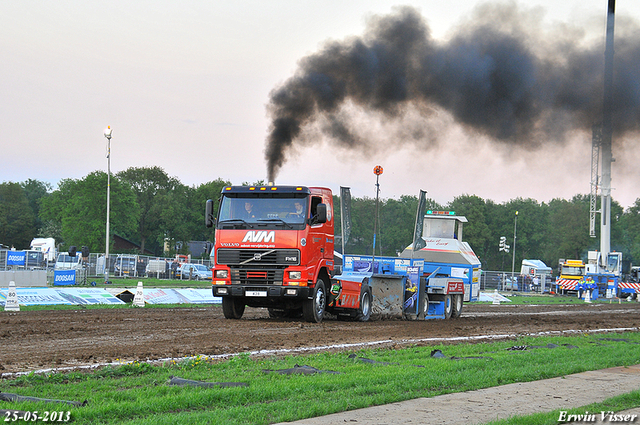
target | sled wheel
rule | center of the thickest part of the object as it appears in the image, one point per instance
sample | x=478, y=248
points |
x=457, y=306
x=448, y=306
x=425, y=307
x=364, y=311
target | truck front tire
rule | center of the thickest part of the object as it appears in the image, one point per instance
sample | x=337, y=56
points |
x=232, y=308
x=313, y=309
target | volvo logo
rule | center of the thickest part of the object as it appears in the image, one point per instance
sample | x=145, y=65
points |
x=257, y=256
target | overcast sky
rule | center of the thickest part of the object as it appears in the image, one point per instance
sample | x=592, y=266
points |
x=185, y=86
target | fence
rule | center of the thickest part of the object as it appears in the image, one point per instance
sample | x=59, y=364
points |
x=120, y=266
x=505, y=281
x=141, y=266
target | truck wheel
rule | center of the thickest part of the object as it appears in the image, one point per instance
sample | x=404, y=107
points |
x=313, y=309
x=364, y=311
x=425, y=307
x=448, y=306
x=457, y=306
x=232, y=308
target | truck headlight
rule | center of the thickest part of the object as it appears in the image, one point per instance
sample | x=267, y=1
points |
x=222, y=274
x=295, y=275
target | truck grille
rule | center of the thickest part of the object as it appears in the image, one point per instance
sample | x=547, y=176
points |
x=246, y=276
x=258, y=257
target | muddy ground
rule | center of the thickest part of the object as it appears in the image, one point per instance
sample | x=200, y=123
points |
x=33, y=340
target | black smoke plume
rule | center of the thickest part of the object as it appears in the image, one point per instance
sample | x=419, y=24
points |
x=499, y=76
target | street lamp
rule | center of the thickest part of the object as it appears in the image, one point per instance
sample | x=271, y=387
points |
x=513, y=262
x=107, y=134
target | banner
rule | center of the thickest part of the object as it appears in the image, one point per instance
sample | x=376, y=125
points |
x=64, y=277
x=418, y=242
x=85, y=296
x=35, y=296
x=15, y=258
x=345, y=214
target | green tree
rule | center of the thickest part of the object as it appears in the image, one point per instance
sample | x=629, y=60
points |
x=35, y=190
x=148, y=184
x=80, y=208
x=176, y=218
x=529, y=227
x=17, y=222
x=398, y=218
x=210, y=190
x=476, y=232
x=567, y=229
x=630, y=224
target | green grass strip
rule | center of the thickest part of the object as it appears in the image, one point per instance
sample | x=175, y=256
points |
x=137, y=393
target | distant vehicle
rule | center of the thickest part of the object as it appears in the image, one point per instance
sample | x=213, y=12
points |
x=45, y=245
x=194, y=271
x=67, y=262
x=34, y=260
x=125, y=265
x=509, y=285
x=159, y=268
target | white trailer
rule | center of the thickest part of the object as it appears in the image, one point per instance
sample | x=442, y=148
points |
x=47, y=246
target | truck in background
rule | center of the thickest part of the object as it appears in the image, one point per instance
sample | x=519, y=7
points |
x=538, y=274
x=606, y=273
x=67, y=262
x=632, y=282
x=570, y=276
x=47, y=246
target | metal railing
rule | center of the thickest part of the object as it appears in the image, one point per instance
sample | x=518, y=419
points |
x=120, y=266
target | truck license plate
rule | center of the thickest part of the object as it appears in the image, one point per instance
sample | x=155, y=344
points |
x=256, y=294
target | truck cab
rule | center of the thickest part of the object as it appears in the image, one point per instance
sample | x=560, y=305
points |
x=273, y=248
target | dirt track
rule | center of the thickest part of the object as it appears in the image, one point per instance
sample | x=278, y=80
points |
x=32, y=340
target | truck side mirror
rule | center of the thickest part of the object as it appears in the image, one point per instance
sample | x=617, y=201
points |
x=209, y=219
x=321, y=217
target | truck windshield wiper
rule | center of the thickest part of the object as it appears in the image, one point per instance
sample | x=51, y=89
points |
x=235, y=220
x=277, y=219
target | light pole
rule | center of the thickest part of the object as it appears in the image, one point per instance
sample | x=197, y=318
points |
x=107, y=134
x=513, y=262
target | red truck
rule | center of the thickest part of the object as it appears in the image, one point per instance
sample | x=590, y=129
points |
x=274, y=249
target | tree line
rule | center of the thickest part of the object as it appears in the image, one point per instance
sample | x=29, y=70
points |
x=148, y=207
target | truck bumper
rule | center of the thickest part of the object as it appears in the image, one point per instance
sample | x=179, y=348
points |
x=263, y=296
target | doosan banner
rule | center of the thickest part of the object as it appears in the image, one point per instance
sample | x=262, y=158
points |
x=15, y=258
x=64, y=277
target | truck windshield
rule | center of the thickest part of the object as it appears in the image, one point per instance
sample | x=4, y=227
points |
x=572, y=271
x=253, y=210
x=64, y=258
